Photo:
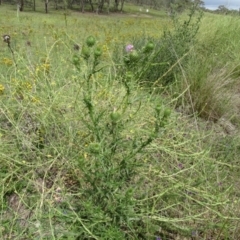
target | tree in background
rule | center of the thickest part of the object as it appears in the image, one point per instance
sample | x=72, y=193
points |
x=116, y=5
x=222, y=9
x=178, y=5
x=21, y=5
x=46, y=6
x=199, y=3
x=117, y=2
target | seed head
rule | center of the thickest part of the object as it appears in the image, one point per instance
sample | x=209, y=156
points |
x=6, y=38
x=76, y=47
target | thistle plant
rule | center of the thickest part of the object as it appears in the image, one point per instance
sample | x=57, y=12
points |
x=111, y=159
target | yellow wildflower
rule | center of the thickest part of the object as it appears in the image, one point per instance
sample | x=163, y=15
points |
x=46, y=66
x=7, y=61
x=35, y=100
x=1, y=89
x=27, y=86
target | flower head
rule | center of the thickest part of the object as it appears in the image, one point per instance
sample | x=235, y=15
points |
x=76, y=47
x=129, y=48
x=6, y=38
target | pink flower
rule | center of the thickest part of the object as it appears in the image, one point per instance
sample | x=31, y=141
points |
x=129, y=48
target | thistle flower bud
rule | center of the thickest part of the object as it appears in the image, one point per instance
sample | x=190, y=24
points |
x=76, y=60
x=86, y=52
x=90, y=41
x=115, y=117
x=149, y=47
x=134, y=56
x=97, y=52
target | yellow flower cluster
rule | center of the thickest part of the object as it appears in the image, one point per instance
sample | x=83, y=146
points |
x=35, y=100
x=105, y=51
x=44, y=67
x=21, y=87
x=23, y=90
x=7, y=61
x=105, y=48
x=27, y=85
x=1, y=89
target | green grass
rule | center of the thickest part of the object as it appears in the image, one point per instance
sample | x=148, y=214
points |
x=89, y=151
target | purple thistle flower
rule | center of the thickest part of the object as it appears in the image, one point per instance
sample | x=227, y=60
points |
x=158, y=238
x=129, y=48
